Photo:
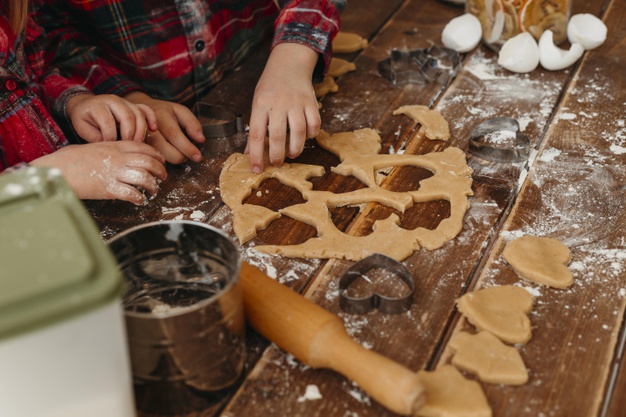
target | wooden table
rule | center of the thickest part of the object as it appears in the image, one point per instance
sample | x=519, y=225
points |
x=573, y=188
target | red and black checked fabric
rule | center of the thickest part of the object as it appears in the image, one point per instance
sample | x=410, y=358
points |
x=175, y=50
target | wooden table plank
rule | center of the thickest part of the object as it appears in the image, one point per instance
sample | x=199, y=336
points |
x=574, y=193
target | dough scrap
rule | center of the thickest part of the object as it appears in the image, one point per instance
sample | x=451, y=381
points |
x=485, y=355
x=346, y=42
x=339, y=66
x=540, y=259
x=358, y=152
x=327, y=86
x=450, y=394
x=434, y=124
x=501, y=310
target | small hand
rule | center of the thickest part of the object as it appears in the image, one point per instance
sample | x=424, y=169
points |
x=284, y=99
x=96, y=118
x=176, y=125
x=109, y=170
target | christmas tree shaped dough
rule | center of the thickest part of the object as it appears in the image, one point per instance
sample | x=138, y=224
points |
x=346, y=42
x=339, y=66
x=450, y=394
x=540, y=259
x=485, y=355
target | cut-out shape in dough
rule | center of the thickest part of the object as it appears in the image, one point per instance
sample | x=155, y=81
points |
x=501, y=310
x=339, y=66
x=432, y=121
x=540, y=259
x=358, y=152
x=346, y=42
x=450, y=394
x=485, y=355
x=327, y=86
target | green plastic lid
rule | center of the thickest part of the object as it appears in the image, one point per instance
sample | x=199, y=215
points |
x=53, y=263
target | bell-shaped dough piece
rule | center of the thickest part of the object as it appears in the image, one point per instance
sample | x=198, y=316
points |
x=540, y=259
x=339, y=66
x=519, y=54
x=434, y=124
x=485, y=355
x=587, y=30
x=346, y=42
x=553, y=58
x=450, y=394
x=501, y=310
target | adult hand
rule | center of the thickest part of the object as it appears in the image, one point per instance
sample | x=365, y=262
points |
x=96, y=118
x=176, y=125
x=284, y=99
x=109, y=170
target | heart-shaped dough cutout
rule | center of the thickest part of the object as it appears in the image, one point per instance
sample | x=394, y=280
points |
x=540, y=259
x=501, y=310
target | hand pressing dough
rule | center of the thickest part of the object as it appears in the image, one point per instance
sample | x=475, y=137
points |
x=327, y=86
x=358, y=152
x=432, y=121
x=540, y=259
x=485, y=355
x=450, y=394
x=346, y=42
x=501, y=310
x=339, y=66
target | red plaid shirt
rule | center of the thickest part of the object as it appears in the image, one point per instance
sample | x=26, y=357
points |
x=175, y=50
x=29, y=98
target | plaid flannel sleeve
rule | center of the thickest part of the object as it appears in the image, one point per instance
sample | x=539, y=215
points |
x=313, y=23
x=72, y=52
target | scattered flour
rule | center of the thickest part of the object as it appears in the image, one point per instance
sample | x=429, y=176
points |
x=312, y=393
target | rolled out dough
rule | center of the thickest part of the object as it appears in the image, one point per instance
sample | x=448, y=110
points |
x=485, y=355
x=450, y=394
x=501, y=310
x=358, y=152
x=435, y=126
x=540, y=259
x=346, y=42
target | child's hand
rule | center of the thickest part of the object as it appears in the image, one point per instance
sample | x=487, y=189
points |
x=98, y=118
x=108, y=170
x=284, y=99
x=176, y=125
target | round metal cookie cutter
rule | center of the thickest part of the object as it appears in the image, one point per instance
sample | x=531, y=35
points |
x=518, y=151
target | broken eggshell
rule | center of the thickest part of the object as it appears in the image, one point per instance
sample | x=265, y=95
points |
x=462, y=33
x=519, y=54
x=587, y=30
x=553, y=58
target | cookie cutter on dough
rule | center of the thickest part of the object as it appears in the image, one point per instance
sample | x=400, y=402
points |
x=518, y=151
x=420, y=66
x=218, y=121
x=363, y=305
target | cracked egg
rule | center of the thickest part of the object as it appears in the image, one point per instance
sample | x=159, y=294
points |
x=519, y=54
x=462, y=33
x=553, y=58
x=587, y=30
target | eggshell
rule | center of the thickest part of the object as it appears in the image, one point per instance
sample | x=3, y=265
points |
x=587, y=30
x=462, y=33
x=520, y=53
x=553, y=58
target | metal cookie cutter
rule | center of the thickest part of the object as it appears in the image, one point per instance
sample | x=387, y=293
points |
x=388, y=305
x=420, y=66
x=500, y=140
x=218, y=121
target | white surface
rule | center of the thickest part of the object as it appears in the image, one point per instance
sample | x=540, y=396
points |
x=75, y=368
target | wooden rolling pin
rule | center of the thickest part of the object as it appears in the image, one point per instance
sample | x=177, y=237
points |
x=318, y=338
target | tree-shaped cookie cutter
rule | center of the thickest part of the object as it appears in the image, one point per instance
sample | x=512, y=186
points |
x=363, y=305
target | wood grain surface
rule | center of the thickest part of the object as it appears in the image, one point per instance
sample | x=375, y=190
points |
x=573, y=188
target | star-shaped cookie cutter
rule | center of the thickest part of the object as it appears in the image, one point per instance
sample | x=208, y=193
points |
x=388, y=305
x=518, y=151
x=420, y=66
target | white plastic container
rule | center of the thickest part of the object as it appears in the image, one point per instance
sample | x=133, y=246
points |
x=63, y=350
